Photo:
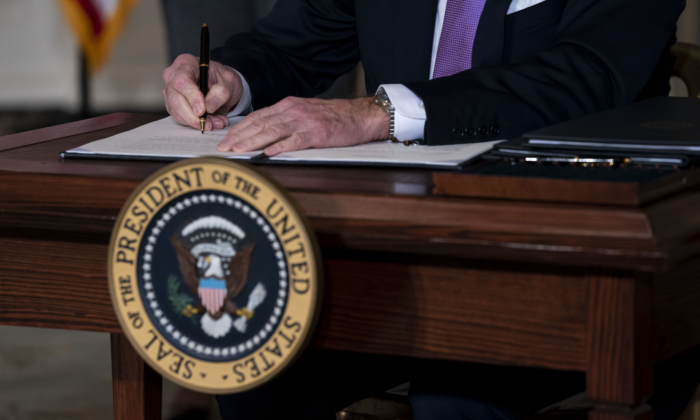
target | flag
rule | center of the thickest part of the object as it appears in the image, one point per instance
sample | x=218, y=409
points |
x=97, y=24
x=212, y=292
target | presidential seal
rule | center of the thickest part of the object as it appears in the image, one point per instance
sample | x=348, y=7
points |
x=214, y=275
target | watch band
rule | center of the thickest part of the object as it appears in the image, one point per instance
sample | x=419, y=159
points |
x=382, y=99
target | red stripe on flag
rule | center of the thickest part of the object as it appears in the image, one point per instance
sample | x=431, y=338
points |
x=220, y=298
x=92, y=14
x=212, y=299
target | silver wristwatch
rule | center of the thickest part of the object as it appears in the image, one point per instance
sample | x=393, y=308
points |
x=382, y=99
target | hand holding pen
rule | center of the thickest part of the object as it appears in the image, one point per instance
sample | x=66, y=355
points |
x=185, y=92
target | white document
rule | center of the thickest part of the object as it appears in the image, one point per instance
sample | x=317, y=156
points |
x=167, y=139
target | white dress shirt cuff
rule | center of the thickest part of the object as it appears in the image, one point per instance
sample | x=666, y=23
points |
x=244, y=105
x=409, y=117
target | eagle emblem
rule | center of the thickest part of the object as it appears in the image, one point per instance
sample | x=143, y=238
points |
x=214, y=258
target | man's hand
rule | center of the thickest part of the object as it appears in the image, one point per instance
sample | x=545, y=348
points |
x=296, y=124
x=185, y=102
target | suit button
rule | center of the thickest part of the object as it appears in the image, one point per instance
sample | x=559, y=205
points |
x=456, y=132
x=471, y=133
x=495, y=130
x=484, y=131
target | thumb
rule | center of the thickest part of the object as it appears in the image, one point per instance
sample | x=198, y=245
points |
x=226, y=89
x=219, y=99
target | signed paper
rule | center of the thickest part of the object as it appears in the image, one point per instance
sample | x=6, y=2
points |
x=167, y=139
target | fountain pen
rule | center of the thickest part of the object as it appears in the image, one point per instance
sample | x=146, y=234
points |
x=204, y=70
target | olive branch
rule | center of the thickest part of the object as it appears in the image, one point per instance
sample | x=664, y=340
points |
x=181, y=302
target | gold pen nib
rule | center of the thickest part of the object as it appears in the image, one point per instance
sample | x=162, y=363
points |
x=202, y=122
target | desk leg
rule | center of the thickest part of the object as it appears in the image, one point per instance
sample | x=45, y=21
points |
x=137, y=389
x=619, y=374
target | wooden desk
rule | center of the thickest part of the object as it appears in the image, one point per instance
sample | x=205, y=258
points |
x=600, y=278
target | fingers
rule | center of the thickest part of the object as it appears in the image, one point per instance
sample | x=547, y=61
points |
x=258, y=134
x=296, y=124
x=218, y=121
x=180, y=109
x=254, y=123
x=183, y=100
x=279, y=108
x=186, y=86
x=297, y=141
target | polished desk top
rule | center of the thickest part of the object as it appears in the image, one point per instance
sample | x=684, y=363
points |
x=607, y=224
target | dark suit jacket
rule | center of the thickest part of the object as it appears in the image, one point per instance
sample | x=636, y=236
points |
x=555, y=61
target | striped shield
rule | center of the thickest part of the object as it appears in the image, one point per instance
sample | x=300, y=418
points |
x=212, y=293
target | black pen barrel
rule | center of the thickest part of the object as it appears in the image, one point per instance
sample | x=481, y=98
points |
x=204, y=79
x=204, y=61
x=204, y=45
x=204, y=69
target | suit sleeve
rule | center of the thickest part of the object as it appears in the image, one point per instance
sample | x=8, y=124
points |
x=299, y=49
x=603, y=54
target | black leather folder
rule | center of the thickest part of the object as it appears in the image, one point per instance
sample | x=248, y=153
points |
x=519, y=148
x=663, y=126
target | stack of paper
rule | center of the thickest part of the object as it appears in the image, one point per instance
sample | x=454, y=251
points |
x=167, y=140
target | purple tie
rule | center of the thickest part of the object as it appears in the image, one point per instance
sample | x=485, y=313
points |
x=454, y=52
